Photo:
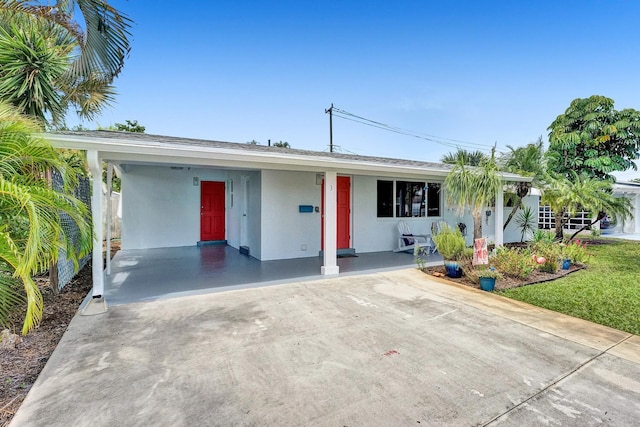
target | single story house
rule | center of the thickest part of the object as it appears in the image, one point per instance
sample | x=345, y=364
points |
x=630, y=190
x=273, y=203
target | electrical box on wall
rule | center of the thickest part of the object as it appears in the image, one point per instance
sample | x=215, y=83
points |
x=196, y=181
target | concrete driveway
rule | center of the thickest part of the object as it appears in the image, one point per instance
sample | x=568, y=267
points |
x=393, y=348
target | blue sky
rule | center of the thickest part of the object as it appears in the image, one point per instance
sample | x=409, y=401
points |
x=479, y=72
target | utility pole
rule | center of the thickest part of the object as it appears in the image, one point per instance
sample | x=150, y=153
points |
x=330, y=111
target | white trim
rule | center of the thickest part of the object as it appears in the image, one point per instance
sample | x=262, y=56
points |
x=166, y=152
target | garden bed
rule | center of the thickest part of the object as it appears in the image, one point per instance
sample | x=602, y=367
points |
x=506, y=282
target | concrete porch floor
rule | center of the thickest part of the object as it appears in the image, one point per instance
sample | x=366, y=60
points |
x=152, y=274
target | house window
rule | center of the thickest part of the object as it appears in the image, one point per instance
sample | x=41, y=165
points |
x=433, y=199
x=385, y=199
x=410, y=200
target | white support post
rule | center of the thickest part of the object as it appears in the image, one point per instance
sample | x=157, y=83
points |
x=108, y=216
x=499, y=217
x=95, y=166
x=329, y=262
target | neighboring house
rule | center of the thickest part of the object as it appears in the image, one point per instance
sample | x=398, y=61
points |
x=277, y=203
x=630, y=190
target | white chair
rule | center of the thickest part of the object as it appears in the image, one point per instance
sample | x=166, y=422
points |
x=407, y=241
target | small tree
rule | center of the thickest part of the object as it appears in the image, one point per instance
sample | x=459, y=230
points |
x=566, y=197
x=475, y=188
x=31, y=231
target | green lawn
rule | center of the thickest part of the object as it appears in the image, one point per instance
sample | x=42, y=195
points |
x=607, y=292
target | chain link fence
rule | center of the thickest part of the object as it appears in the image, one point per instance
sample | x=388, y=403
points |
x=65, y=267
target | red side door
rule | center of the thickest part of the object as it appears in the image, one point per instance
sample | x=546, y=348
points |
x=343, y=212
x=212, y=218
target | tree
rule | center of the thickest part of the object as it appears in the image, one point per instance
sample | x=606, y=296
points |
x=35, y=59
x=526, y=161
x=281, y=144
x=103, y=42
x=473, y=187
x=566, y=197
x=130, y=126
x=593, y=138
x=469, y=158
x=30, y=224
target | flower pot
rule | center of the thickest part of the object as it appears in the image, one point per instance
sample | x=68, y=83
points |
x=487, y=283
x=566, y=263
x=453, y=269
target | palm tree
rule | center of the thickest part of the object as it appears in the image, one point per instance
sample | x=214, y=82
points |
x=567, y=197
x=469, y=158
x=31, y=232
x=104, y=41
x=526, y=161
x=35, y=59
x=473, y=187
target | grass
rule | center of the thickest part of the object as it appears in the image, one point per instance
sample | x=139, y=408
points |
x=607, y=292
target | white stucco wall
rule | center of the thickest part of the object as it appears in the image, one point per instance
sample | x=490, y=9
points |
x=236, y=209
x=373, y=234
x=161, y=206
x=287, y=233
x=161, y=209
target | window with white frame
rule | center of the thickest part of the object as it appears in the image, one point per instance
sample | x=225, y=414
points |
x=409, y=198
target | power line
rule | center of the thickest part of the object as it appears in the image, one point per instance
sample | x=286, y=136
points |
x=448, y=142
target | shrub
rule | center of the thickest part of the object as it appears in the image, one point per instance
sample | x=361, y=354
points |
x=449, y=242
x=513, y=262
x=576, y=251
x=551, y=252
x=543, y=236
x=474, y=272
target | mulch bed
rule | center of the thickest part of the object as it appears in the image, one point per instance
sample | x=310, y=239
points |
x=23, y=359
x=507, y=282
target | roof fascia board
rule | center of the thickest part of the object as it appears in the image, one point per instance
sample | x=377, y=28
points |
x=122, y=150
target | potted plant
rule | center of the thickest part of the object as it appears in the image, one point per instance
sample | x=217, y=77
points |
x=487, y=278
x=451, y=245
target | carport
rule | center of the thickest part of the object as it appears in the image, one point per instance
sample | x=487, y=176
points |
x=139, y=275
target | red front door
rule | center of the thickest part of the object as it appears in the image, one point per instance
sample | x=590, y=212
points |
x=343, y=213
x=212, y=211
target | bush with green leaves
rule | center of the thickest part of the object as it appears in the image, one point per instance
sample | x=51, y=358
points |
x=449, y=242
x=576, y=251
x=551, y=252
x=513, y=262
x=543, y=236
x=475, y=272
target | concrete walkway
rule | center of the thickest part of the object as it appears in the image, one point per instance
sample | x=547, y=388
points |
x=391, y=348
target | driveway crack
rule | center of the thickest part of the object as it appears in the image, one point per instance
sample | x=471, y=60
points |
x=563, y=377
